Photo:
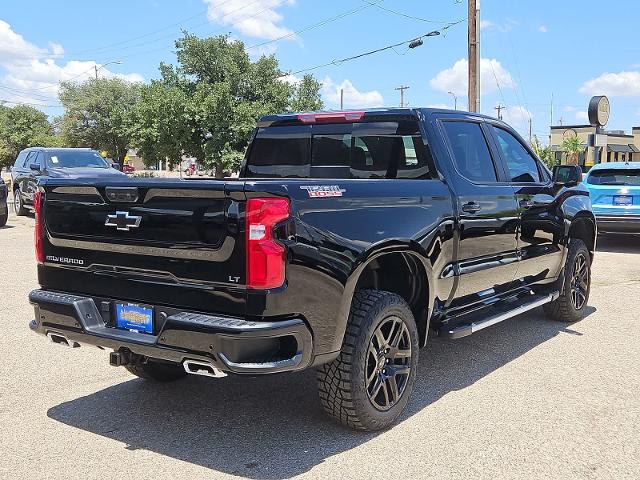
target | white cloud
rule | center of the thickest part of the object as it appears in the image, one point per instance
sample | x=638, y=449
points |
x=353, y=98
x=14, y=48
x=455, y=80
x=570, y=109
x=486, y=24
x=582, y=116
x=258, y=19
x=517, y=116
x=56, y=49
x=31, y=75
x=543, y=29
x=624, y=84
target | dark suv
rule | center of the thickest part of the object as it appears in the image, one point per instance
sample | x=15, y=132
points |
x=35, y=163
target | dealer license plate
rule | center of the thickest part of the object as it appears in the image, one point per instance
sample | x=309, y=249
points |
x=622, y=200
x=134, y=317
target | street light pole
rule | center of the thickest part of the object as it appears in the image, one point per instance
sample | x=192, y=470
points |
x=96, y=68
x=455, y=100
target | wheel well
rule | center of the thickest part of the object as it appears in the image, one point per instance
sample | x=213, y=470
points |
x=404, y=275
x=583, y=229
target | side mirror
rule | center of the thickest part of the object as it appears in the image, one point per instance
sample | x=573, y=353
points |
x=567, y=175
x=116, y=166
x=35, y=167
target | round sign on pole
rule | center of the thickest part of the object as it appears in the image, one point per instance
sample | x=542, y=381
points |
x=599, y=111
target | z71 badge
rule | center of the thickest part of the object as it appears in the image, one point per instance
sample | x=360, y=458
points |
x=315, y=191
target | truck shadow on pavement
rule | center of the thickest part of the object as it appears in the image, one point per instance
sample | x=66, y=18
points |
x=273, y=427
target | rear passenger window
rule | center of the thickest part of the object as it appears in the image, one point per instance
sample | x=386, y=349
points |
x=470, y=151
x=522, y=166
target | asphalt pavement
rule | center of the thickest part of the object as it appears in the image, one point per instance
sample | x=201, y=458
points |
x=527, y=398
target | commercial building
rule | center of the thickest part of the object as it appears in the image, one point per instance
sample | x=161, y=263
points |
x=617, y=145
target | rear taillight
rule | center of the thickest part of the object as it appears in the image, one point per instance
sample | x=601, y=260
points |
x=37, y=231
x=265, y=256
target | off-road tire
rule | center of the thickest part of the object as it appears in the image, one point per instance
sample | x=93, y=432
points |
x=563, y=308
x=157, y=371
x=18, y=206
x=342, y=383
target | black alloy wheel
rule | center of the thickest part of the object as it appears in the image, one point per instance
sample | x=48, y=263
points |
x=388, y=363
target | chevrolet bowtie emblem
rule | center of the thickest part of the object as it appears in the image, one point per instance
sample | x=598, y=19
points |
x=123, y=221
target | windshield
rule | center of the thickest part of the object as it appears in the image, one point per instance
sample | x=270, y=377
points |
x=75, y=159
x=630, y=177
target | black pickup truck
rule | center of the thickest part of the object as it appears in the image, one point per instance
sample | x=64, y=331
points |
x=348, y=238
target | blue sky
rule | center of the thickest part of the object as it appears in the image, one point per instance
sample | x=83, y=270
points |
x=530, y=50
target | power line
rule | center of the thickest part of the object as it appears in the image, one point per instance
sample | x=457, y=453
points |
x=401, y=14
x=30, y=104
x=319, y=24
x=377, y=50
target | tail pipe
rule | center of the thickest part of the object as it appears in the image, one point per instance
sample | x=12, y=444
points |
x=206, y=369
x=60, y=339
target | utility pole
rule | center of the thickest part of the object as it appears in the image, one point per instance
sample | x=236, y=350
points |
x=95, y=68
x=402, y=88
x=342, y=99
x=499, y=109
x=473, y=41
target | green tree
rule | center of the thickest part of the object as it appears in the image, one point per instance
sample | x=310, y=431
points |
x=573, y=147
x=546, y=154
x=207, y=105
x=96, y=114
x=20, y=127
x=306, y=95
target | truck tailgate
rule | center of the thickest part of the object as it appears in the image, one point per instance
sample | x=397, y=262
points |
x=143, y=232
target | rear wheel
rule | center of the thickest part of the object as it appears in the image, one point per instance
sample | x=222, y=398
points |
x=3, y=218
x=370, y=382
x=571, y=304
x=18, y=206
x=157, y=371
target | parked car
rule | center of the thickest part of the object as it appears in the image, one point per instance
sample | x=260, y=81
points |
x=126, y=168
x=4, y=209
x=615, y=194
x=37, y=163
x=348, y=237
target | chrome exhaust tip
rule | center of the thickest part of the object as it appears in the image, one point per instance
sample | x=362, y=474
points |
x=60, y=339
x=206, y=369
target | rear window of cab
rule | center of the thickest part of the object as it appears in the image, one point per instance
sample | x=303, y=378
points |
x=369, y=150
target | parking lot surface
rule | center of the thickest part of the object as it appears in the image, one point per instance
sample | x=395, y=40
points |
x=527, y=398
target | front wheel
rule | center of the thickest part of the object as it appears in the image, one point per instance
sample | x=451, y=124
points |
x=369, y=384
x=572, y=302
x=18, y=206
x=3, y=218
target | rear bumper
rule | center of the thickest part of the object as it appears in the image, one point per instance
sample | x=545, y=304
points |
x=232, y=345
x=618, y=223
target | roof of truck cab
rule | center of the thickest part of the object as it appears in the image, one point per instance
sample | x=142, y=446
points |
x=367, y=112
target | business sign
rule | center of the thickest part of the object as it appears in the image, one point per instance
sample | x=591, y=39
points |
x=599, y=111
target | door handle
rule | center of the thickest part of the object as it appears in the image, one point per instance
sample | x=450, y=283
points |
x=471, y=207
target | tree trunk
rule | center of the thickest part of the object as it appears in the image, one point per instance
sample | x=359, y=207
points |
x=219, y=170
